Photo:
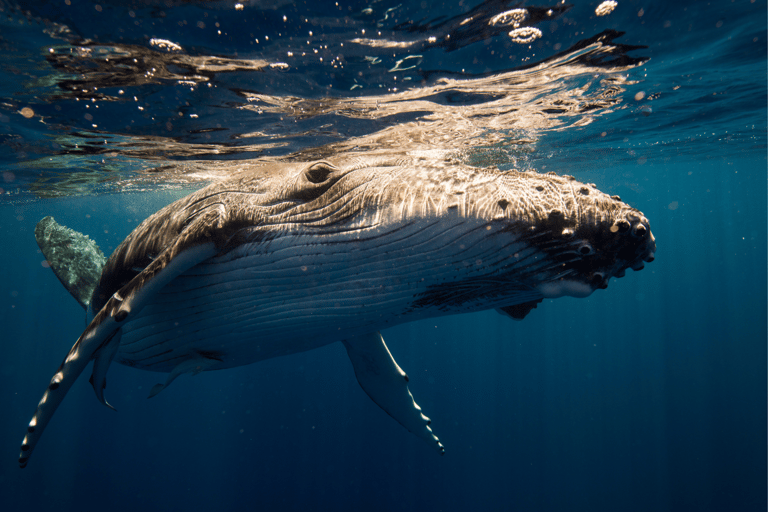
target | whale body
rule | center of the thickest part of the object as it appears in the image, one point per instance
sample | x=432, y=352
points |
x=287, y=257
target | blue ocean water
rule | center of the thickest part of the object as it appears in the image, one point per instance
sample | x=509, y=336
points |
x=650, y=395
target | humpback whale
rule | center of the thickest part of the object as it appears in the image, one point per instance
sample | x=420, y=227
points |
x=287, y=257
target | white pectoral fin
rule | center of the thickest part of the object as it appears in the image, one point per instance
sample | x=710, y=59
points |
x=101, y=339
x=387, y=384
x=96, y=337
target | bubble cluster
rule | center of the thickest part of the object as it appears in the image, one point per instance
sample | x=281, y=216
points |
x=525, y=35
x=165, y=44
x=606, y=7
x=514, y=17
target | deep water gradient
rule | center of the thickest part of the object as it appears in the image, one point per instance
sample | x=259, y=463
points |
x=650, y=395
x=646, y=396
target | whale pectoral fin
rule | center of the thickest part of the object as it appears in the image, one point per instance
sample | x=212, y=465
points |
x=194, y=365
x=98, y=335
x=387, y=384
x=100, y=339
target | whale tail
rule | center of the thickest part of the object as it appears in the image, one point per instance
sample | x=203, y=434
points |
x=75, y=259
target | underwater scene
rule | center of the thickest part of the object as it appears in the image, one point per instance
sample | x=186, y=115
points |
x=553, y=213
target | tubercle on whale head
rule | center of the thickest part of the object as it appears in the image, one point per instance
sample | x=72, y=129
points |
x=583, y=236
x=593, y=235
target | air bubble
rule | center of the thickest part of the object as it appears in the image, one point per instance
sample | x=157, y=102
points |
x=525, y=35
x=606, y=8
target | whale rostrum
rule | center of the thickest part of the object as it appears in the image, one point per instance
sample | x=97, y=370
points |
x=286, y=257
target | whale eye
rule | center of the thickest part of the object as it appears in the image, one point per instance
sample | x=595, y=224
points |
x=314, y=181
x=319, y=172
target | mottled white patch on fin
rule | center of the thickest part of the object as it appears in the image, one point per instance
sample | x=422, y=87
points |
x=387, y=384
x=193, y=365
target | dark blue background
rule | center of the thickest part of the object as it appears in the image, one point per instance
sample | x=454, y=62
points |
x=650, y=395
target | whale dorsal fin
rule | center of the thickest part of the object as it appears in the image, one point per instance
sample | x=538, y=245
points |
x=74, y=258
